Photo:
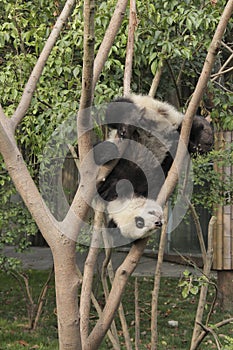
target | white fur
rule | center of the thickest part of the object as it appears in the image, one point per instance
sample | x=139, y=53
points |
x=124, y=211
x=161, y=135
x=160, y=112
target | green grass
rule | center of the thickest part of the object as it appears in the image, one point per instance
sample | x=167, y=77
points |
x=14, y=333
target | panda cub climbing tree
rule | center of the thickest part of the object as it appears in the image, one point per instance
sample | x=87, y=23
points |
x=151, y=128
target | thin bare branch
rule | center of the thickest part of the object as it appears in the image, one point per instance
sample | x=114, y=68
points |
x=137, y=316
x=37, y=70
x=41, y=299
x=156, y=81
x=89, y=268
x=223, y=87
x=204, y=287
x=222, y=72
x=155, y=292
x=130, y=47
x=198, y=229
x=205, y=332
x=108, y=39
x=227, y=47
x=211, y=330
x=106, y=290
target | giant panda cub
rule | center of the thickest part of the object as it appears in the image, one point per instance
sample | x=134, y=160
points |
x=151, y=128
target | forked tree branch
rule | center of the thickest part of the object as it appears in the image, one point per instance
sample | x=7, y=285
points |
x=79, y=207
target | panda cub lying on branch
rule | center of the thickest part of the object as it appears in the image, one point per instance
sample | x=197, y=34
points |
x=151, y=129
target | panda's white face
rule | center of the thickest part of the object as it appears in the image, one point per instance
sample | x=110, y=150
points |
x=137, y=217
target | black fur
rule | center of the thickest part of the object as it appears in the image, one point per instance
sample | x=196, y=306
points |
x=120, y=116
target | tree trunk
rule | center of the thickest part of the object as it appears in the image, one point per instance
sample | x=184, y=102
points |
x=67, y=283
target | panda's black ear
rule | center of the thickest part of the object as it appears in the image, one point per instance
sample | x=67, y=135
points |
x=120, y=111
x=201, y=136
x=104, y=152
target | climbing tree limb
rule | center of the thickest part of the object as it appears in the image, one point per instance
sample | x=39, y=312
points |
x=39, y=66
x=173, y=174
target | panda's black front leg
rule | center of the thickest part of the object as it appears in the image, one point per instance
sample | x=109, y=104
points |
x=105, y=152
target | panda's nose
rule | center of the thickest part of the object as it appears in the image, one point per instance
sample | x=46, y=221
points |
x=158, y=223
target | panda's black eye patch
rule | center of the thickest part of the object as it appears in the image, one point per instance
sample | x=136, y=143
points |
x=140, y=222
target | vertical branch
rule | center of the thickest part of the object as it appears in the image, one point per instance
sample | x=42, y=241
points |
x=156, y=81
x=137, y=316
x=198, y=229
x=108, y=39
x=99, y=311
x=106, y=290
x=86, y=292
x=84, y=133
x=41, y=299
x=155, y=292
x=204, y=288
x=121, y=312
x=130, y=47
x=80, y=206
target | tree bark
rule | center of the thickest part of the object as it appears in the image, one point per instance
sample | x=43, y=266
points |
x=157, y=278
x=118, y=287
x=67, y=283
x=204, y=287
x=108, y=39
x=130, y=47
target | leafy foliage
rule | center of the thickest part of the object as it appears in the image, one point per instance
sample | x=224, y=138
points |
x=190, y=284
x=210, y=174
